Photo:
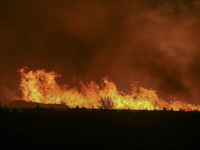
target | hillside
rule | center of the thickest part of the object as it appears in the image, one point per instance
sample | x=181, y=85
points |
x=42, y=128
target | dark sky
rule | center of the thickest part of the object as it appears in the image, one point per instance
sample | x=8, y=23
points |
x=154, y=42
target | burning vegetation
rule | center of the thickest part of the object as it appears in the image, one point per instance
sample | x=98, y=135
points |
x=41, y=87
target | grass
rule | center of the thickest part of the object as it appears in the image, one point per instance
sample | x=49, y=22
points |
x=64, y=128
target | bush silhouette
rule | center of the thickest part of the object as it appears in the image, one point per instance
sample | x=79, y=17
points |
x=106, y=103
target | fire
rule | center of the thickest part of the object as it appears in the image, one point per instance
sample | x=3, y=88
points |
x=40, y=86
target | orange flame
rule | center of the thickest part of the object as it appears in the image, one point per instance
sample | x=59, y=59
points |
x=40, y=86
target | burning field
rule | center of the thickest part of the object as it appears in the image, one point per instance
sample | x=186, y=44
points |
x=99, y=73
x=41, y=87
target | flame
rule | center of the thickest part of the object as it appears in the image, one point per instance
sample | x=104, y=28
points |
x=40, y=86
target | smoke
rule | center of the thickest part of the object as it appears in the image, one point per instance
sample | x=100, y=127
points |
x=153, y=42
x=9, y=95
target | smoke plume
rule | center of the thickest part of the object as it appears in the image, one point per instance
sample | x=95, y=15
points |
x=153, y=42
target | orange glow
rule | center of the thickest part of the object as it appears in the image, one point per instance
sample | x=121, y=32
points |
x=40, y=86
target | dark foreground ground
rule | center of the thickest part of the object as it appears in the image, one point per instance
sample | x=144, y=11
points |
x=43, y=128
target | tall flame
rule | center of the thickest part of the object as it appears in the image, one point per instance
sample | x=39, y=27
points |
x=40, y=86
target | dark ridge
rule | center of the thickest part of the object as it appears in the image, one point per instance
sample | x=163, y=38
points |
x=50, y=127
x=25, y=104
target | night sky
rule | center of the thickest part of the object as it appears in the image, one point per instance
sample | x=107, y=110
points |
x=153, y=42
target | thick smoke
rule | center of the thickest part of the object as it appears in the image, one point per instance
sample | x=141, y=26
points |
x=154, y=42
